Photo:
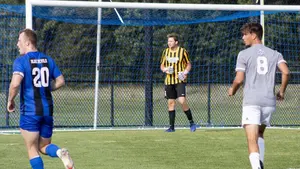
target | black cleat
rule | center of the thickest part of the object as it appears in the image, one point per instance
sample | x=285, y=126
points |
x=261, y=164
x=170, y=130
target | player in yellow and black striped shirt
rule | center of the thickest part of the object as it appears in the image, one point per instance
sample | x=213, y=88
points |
x=176, y=64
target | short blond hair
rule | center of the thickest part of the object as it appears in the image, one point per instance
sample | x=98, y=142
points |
x=31, y=35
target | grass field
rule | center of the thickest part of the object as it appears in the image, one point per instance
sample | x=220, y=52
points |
x=155, y=149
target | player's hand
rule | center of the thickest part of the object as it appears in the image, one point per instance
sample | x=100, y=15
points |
x=169, y=70
x=181, y=76
x=230, y=92
x=11, y=106
x=280, y=96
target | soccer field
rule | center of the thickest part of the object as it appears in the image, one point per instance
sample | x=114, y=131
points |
x=155, y=149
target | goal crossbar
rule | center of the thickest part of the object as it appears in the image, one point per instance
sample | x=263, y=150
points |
x=228, y=7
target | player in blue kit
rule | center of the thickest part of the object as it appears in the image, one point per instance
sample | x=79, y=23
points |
x=36, y=75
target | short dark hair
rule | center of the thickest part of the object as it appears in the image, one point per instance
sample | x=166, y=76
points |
x=173, y=35
x=253, y=28
x=31, y=35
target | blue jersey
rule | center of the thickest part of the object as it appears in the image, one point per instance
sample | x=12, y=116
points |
x=38, y=70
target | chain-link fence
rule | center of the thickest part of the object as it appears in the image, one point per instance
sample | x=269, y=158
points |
x=131, y=89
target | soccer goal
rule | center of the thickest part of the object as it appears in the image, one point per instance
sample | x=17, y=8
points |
x=109, y=53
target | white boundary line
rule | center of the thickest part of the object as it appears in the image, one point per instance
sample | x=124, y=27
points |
x=16, y=131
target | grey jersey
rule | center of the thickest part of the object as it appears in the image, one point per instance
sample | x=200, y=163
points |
x=259, y=64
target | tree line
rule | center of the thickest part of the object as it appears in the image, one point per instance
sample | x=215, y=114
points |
x=127, y=51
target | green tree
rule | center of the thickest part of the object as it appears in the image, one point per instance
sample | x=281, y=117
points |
x=12, y=1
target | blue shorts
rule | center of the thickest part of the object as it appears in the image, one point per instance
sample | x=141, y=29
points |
x=42, y=124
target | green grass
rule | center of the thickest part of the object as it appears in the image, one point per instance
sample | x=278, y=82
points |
x=154, y=149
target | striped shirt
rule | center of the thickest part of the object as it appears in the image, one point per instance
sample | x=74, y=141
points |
x=178, y=60
x=38, y=70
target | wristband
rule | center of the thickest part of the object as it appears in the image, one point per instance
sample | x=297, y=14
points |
x=186, y=72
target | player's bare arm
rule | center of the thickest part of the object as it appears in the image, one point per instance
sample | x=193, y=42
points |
x=13, y=91
x=58, y=83
x=239, y=78
x=284, y=80
x=168, y=70
x=187, y=70
x=163, y=68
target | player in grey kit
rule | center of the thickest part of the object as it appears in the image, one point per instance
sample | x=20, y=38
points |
x=257, y=66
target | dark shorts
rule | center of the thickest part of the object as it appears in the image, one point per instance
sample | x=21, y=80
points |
x=42, y=124
x=175, y=91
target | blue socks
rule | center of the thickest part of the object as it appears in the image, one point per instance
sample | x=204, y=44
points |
x=37, y=163
x=51, y=150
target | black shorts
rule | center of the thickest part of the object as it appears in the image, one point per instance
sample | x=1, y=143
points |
x=175, y=91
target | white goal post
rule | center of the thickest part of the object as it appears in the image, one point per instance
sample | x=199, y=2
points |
x=99, y=5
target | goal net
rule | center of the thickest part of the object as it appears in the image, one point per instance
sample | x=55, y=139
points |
x=130, y=89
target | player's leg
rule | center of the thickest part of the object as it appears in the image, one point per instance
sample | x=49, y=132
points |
x=172, y=114
x=49, y=149
x=265, y=121
x=54, y=151
x=170, y=94
x=181, y=94
x=261, y=144
x=29, y=127
x=252, y=136
x=46, y=132
x=251, y=122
